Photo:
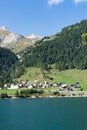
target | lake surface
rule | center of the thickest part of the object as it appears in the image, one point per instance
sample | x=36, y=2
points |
x=43, y=114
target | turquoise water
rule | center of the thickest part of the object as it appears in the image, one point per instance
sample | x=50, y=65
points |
x=43, y=114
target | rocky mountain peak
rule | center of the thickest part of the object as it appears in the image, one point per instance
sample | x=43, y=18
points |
x=3, y=28
x=33, y=36
x=14, y=41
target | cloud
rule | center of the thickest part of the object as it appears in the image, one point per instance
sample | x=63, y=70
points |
x=78, y=1
x=50, y=2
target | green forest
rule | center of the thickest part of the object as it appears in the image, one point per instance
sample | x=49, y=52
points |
x=7, y=59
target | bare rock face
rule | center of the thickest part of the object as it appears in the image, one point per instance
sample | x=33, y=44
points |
x=7, y=37
x=15, y=42
x=12, y=37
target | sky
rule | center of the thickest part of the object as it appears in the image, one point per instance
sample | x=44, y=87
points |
x=41, y=17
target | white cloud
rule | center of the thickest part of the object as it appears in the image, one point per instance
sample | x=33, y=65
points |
x=78, y=1
x=50, y=2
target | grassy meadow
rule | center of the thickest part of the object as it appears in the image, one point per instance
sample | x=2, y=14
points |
x=70, y=76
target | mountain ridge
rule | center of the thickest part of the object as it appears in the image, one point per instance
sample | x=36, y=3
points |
x=15, y=42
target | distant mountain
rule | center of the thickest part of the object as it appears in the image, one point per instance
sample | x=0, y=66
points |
x=15, y=42
x=33, y=38
x=7, y=37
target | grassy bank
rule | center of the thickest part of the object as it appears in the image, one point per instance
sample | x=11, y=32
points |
x=34, y=93
x=68, y=76
x=10, y=92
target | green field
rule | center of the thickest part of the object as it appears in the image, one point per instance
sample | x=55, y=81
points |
x=72, y=76
x=68, y=76
x=9, y=92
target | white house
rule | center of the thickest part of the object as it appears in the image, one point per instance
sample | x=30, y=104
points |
x=13, y=86
x=30, y=86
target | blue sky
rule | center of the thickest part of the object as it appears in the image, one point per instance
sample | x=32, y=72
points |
x=41, y=17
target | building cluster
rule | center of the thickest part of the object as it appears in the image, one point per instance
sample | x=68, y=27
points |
x=42, y=85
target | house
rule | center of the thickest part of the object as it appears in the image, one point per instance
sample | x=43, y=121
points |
x=75, y=87
x=5, y=86
x=54, y=85
x=44, y=84
x=30, y=86
x=63, y=87
x=13, y=86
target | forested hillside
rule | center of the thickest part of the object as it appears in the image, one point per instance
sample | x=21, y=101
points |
x=67, y=49
x=7, y=59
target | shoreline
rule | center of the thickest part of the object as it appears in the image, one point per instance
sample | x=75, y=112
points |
x=49, y=97
x=46, y=96
x=61, y=94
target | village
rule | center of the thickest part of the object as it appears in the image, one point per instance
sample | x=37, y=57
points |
x=45, y=85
